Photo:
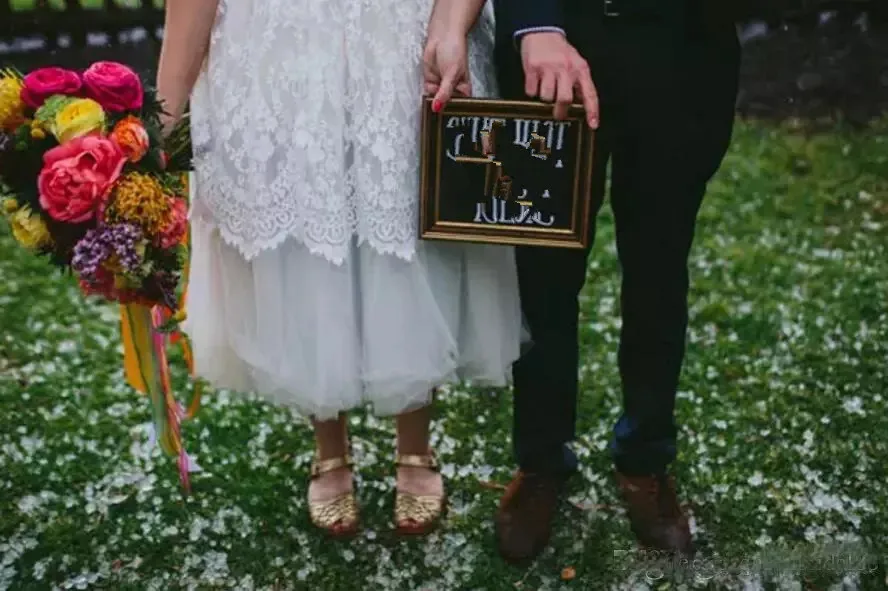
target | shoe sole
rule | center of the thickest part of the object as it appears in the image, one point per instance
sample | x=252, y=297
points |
x=342, y=534
x=518, y=560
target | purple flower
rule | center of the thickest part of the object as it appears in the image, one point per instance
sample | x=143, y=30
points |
x=118, y=242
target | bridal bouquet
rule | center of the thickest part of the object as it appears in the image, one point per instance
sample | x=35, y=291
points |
x=89, y=182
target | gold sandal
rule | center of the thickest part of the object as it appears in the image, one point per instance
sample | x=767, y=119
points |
x=337, y=516
x=418, y=514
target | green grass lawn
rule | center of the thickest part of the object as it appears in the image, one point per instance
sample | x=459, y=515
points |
x=92, y=4
x=783, y=407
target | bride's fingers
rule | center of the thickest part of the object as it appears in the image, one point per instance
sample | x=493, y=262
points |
x=464, y=88
x=430, y=88
x=446, y=90
x=430, y=71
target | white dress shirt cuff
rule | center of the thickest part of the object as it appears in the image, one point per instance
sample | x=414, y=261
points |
x=522, y=32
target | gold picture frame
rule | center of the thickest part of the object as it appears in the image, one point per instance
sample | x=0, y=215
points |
x=470, y=133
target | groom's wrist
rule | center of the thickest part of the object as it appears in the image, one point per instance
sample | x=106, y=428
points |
x=523, y=17
x=518, y=35
x=546, y=29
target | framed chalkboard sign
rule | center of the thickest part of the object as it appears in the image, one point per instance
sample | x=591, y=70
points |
x=505, y=172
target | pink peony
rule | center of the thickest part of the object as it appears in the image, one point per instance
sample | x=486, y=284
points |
x=114, y=86
x=77, y=177
x=41, y=84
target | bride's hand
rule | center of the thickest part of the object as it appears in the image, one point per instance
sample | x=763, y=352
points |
x=173, y=99
x=446, y=68
x=168, y=124
x=170, y=117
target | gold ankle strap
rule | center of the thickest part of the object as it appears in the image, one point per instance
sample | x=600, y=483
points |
x=428, y=461
x=319, y=467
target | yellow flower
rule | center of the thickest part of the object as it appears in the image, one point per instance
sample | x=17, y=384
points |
x=10, y=205
x=12, y=108
x=79, y=117
x=37, y=133
x=139, y=199
x=29, y=229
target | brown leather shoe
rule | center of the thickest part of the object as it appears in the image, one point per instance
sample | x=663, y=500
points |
x=524, y=518
x=656, y=518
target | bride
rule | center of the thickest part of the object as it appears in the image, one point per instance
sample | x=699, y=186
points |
x=309, y=285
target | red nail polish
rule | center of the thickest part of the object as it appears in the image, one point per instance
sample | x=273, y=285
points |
x=436, y=105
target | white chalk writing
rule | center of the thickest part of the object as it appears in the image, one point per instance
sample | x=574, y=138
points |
x=495, y=212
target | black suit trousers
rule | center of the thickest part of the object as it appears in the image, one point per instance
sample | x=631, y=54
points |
x=667, y=92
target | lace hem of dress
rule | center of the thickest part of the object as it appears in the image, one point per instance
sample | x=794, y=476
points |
x=333, y=254
x=335, y=251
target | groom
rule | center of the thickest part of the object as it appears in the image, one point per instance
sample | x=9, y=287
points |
x=665, y=82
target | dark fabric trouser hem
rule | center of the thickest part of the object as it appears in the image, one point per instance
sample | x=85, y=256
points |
x=559, y=460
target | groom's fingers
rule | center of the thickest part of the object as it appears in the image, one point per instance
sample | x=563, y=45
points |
x=564, y=95
x=547, y=86
x=553, y=70
x=589, y=94
x=531, y=82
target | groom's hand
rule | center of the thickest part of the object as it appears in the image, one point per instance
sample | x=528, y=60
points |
x=555, y=71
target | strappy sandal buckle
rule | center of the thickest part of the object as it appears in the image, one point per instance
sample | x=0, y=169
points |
x=319, y=467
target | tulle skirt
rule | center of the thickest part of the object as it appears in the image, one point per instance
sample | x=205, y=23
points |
x=304, y=332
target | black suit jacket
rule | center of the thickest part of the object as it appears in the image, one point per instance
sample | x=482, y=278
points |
x=515, y=15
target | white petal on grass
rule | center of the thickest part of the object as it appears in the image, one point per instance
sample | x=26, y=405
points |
x=854, y=405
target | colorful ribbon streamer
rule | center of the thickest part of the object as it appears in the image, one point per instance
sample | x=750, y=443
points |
x=147, y=370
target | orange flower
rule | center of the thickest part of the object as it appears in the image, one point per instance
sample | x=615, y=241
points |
x=130, y=135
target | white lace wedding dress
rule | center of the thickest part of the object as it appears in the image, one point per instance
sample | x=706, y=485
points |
x=309, y=284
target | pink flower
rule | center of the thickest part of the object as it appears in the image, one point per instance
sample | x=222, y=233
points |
x=45, y=82
x=175, y=230
x=77, y=177
x=114, y=86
